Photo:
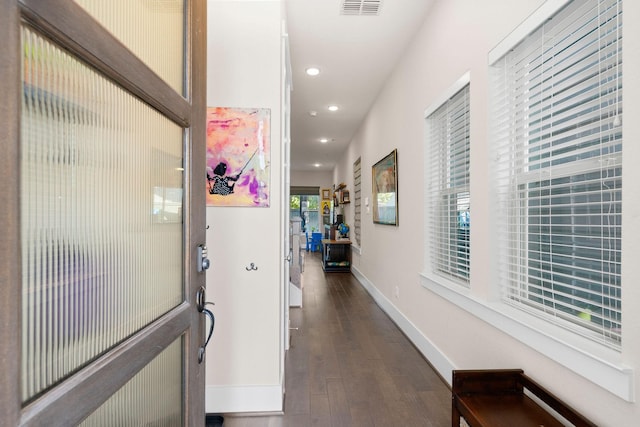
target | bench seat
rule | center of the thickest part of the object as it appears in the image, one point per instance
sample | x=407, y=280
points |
x=496, y=398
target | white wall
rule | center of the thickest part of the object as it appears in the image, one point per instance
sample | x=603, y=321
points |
x=244, y=356
x=303, y=178
x=455, y=38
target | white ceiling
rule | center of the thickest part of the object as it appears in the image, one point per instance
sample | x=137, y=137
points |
x=355, y=55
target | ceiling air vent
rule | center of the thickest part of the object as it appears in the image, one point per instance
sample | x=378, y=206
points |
x=361, y=7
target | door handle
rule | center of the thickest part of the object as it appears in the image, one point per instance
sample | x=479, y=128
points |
x=201, y=306
x=203, y=348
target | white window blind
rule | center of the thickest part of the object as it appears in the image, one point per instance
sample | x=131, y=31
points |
x=447, y=166
x=556, y=113
x=357, y=199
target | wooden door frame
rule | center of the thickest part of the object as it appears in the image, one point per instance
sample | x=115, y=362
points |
x=69, y=25
x=195, y=223
x=10, y=272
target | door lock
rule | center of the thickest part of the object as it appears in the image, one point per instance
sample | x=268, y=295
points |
x=202, y=258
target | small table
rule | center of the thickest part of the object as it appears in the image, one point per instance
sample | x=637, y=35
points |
x=336, y=255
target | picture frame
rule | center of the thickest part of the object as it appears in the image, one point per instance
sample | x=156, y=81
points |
x=384, y=175
x=326, y=194
x=326, y=207
x=238, y=157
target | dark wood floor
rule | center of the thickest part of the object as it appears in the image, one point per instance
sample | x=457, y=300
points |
x=349, y=365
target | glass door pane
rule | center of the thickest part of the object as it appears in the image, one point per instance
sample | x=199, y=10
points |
x=152, y=29
x=101, y=208
x=134, y=406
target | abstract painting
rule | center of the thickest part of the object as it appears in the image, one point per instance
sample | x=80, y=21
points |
x=238, y=156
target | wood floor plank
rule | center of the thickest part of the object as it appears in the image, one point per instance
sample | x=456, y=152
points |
x=320, y=405
x=320, y=421
x=434, y=405
x=361, y=415
x=338, y=403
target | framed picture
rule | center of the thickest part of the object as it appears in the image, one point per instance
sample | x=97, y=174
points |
x=326, y=194
x=385, y=190
x=238, y=156
x=326, y=207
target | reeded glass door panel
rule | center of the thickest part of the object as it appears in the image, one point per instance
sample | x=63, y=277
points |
x=152, y=398
x=152, y=29
x=101, y=200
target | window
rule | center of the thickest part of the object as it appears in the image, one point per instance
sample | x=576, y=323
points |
x=447, y=166
x=304, y=203
x=557, y=145
x=357, y=201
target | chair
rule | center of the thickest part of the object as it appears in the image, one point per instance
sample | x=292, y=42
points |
x=316, y=242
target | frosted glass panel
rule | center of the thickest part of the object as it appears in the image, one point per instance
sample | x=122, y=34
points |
x=152, y=29
x=152, y=398
x=101, y=221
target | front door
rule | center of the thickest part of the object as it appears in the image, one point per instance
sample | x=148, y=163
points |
x=102, y=124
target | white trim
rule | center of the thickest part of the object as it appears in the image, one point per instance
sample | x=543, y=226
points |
x=295, y=298
x=232, y=399
x=529, y=25
x=429, y=350
x=447, y=94
x=613, y=376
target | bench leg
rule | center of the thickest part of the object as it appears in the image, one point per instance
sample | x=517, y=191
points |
x=455, y=414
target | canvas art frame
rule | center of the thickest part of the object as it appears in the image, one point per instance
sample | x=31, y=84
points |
x=384, y=175
x=238, y=156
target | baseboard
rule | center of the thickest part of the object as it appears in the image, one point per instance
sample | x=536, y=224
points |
x=236, y=399
x=429, y=350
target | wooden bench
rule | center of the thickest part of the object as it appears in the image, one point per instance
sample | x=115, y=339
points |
x=496, y=398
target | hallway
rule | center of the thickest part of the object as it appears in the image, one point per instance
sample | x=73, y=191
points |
x=349, y=365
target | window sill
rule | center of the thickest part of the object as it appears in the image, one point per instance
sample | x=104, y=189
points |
x=590, y=360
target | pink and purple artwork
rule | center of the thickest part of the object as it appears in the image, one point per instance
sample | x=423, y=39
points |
x=238, y=162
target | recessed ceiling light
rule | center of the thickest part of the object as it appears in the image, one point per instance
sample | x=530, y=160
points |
x=313, y=113
x=324, y=140
x=317, y=165
x=333, y=108
x=312, y=71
